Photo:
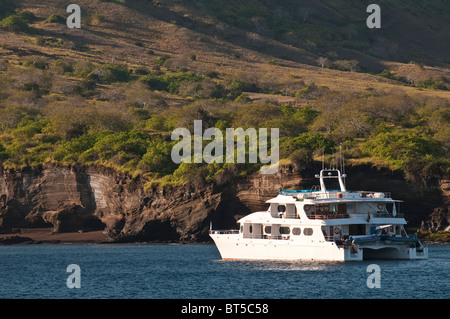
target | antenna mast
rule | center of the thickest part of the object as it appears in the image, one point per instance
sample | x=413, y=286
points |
x=323, y=158
x=342, y=162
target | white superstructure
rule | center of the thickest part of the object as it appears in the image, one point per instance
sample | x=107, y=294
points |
x=321, y=224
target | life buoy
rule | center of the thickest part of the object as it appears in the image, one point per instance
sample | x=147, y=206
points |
x=337, y=230
x=380, y=206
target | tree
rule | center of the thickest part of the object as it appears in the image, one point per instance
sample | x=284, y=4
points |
x=322, y=61
x=352, y=64
x=305, y=13
x=346, y=65
x=411, y=78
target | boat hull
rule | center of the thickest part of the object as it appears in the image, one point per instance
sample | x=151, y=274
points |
x=233, y=246
x=389, y=247
x=395, y=252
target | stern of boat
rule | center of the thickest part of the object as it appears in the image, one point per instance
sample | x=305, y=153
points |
x=353, y=253
x=417, y=253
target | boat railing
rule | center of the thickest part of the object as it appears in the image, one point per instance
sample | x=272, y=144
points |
x=267, y=236
x=370, y=194
x=325, y=215
x=385, y=214
x=338, y=194
x=225, y=231
x=332, y=215
x=378, y=214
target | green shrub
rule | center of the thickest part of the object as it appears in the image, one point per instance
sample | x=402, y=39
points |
x=83, y=68
x=169, y=82
x=236, y=87
x=55, y=18
x=435, y=236
x=114, y=73
x=309, y=142
x=14, y=23
x=28, y=127
x=86, y=87
x=306, y=113
x=388, y=75
x=65, y=65
x=158, y=159
x=160, y=60
x=75, y=146
x=156, y=123
x=403, y=149
x=243, y=98
x=397, y=145
x=15, y=154
x=430, y=84
x=27, y=16
x=36, y=61
x=3, y=153
x=104, y=147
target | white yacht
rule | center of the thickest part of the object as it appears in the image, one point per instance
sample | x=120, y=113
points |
x=322, y=224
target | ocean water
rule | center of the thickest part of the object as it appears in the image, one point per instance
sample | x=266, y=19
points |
x=140, y=271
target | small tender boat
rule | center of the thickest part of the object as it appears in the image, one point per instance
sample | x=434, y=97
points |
x=322, y=224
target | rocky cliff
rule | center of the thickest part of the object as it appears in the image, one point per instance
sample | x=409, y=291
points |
x=92, y=198
x=439, y=219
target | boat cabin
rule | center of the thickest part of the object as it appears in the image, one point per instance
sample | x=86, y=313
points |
x=334, y=214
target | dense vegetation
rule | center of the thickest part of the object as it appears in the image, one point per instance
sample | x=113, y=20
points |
x=66, y=112
x=48, y=117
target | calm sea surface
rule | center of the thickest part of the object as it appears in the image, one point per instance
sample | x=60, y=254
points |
x=196, y=271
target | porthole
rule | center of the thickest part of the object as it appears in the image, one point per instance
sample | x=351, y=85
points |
x=308, y=231
x=296, y=231
x=285, y=230
x=268, y=229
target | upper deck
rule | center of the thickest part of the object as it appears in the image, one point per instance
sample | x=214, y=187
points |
x=321, y=203
x=342, y=196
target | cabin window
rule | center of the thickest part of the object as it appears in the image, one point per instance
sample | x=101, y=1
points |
x=308, y=231
x=281, y=208
x=357, y=229
x=285, y=230
x=296, y=231
x=268, y=229
x=250, y=229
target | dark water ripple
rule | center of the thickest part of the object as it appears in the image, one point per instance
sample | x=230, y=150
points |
x=196, y=271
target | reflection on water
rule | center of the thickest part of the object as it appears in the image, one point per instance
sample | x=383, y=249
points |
x=277, y=265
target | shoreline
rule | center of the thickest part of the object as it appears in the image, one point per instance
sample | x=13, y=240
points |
x=47, y=236
x=35, y=236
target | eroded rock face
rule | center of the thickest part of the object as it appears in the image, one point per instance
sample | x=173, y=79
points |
x=58, y=197
x=90, y=198
x=439, y=219
x=73, y=199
